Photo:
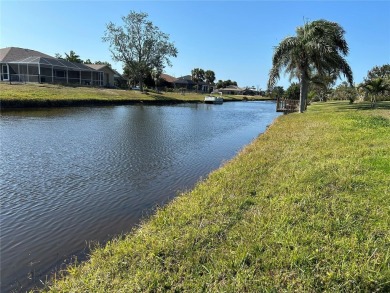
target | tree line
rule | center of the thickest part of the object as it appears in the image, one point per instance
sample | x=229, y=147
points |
x=199, y=75
x=315, y=56
x=73, y=57
x=145, y=51
x=376, y=85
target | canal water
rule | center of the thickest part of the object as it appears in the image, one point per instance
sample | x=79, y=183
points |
x=70, y=176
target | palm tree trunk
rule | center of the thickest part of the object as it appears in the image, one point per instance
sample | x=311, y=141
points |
x=303, y=92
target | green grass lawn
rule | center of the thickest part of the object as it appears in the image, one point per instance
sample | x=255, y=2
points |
x=19, y=95
x=304, y=208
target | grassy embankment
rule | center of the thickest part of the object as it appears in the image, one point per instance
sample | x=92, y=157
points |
x=43, y=95
x=304, y=208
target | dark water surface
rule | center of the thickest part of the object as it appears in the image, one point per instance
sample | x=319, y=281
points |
x=73, y=175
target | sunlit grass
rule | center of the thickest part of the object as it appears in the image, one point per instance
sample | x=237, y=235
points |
x=19, y=95
x=304, y=208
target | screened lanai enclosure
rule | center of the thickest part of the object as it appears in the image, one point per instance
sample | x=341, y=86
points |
x=51, y=70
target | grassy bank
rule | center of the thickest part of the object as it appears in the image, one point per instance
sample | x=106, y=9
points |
x=46, y=95
x=303, y=208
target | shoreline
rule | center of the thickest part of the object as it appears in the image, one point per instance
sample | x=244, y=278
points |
x=29, y=104
x=268, y=221
x=27, y=96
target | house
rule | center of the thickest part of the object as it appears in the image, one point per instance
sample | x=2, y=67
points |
x=169, y=81
x=232, y=90
x=25, y=65
x=185, y=82
x=203, y=86
x=108, y=73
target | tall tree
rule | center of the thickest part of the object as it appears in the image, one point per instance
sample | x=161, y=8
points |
x=197, y=75
x=318, y=45
x=209, y=76
x=379, y=71
x=73, y=57
x=139, y=44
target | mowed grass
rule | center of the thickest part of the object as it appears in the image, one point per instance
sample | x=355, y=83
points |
x=304, y=208
x=33, y=94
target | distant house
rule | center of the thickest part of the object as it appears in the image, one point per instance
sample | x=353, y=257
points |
x=232, y=90
x=169, y=81
x=25, y=65
x=108, y=73
x=185, y=82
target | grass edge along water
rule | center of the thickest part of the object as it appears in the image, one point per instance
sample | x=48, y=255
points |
x=305, y=208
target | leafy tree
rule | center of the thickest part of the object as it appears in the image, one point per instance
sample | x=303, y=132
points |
x=88, y=61
x=277, y=91
x=219, y=84
x=226, y=83
x=229, y=82
x=73, y=57
x=293, y=91
x=131, y=76
x=344, y=92
x=379, y=72
x=318, y=45
x=139, y=44
x=321, y=84
x=58, y=56
x=104, y=63
x=197, y=75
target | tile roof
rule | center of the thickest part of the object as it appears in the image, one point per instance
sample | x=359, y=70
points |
x=99, y=67
x=168, y=78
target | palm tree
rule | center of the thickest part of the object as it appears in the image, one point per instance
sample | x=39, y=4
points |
x=375, y=87
x=209, y=75
x=73, y=57
x=318, y=45
x=197, y=76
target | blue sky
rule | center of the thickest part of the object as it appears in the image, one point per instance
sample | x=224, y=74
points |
x=235, y=39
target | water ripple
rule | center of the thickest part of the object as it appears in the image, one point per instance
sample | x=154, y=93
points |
x=69, y=176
